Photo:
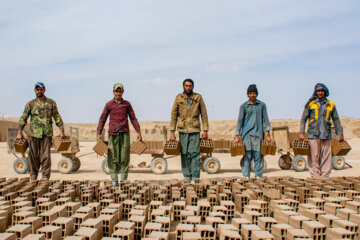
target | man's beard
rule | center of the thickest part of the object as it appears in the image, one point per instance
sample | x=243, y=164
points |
x=188, y=93
x=39, y=95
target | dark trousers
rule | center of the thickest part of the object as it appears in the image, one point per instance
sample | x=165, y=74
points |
x=39, y=156
x=190, y=154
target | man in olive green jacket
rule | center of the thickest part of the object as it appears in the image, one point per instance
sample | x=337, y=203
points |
x=187, y=108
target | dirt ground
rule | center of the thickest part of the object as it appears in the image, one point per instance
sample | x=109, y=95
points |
x=230, y=166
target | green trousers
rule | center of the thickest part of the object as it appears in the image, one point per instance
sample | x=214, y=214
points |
x=119, y=155
x=190, y=154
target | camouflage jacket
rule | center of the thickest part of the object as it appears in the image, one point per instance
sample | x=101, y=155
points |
x=41, y=117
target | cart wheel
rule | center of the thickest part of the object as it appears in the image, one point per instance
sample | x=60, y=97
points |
x=299, y=163
x=65, y=165
x=158, y=165
x=338, y=162
x=105, y=166
x=21, y=165
x=283, y=164
x=77, y=164
x=211, y=165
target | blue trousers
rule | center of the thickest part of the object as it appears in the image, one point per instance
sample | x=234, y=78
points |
x=246, y=163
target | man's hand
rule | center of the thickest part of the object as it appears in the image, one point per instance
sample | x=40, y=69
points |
x=341, y=138
x=62, y=133
x=268, y=138
x=139, y=137
x=205, y=135
x=172, y=136
x=237, y=139
x=19, y=135
x=99, y=138
x=301, y=136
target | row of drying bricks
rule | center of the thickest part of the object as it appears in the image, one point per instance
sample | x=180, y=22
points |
x=255, y=214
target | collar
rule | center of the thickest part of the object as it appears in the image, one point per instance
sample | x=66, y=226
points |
x=122, y=100
x=324, y=102
x=186, y=96
x=44, y=100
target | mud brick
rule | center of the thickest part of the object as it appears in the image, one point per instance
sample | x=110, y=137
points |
x=296, y=221
x=44, y=207
x=313, y=214
x=106, y=202
x=346, y=225
x=157, y=212
x=336, y=194
x=182, y=228
x=88, y=233
x=318, y=202
x=339, y=233
x=230, y=208
x=304, y=193
x=238, y=222
x=184, y=214
x=294, y=233
x=252, y=216
x=70, y=193
x=351, y=194
x=96, y=207
x=240, y=201
x=305, y=206
x=41, y=200
x=20, y=230
x=127, y=206
x=261, y=235
x=172, y=147
x=226, y=227
x=320, y=194
x=265, y=223
x=193, y=220
x=315, y=229
x=34, y=222
x=137, y=212
x=190, y=236
x=139, y=225
x=159, y=235
x=19, y=216
x=355, y=206
x=110, y=211
x=51, y=232
x=344, y=213
x=168, y=210
x=331, y=200
x=331, y=208
x=66, y=224
x=3, y=223
x=125, y=234
x=124, y=225
x=71, y=208
x=10, y=196
x=19, y=205
x=109, y=222
x=284, y=216
x=218, y=214
x=252, y=208
x=279, y=231
x=247, y=230
x=355, y=218
x=214, y=221
x=60, y=211
x=207, y=232
x=264, y=206
x=79, y=218
x=9, y=210
x=165, y=222
x=62, y=201
x=191, y=199
x=293, y=203
x=339, y=148
x=204, y=209
x=151, y=226
x=8, y=236
x=327, y=220
x=35, y=237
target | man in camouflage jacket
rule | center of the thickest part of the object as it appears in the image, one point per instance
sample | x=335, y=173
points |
x=42, y=110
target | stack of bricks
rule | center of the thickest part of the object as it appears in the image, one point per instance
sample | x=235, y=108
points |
x=219, y=208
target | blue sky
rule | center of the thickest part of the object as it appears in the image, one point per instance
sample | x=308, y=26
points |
x=79, y=49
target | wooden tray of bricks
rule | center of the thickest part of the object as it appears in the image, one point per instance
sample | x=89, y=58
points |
x=61, y=144
x=172, y=147
x=101, y=148
x=138, y=147
x=21, y=145
x=300, y=147
x=237, y=149
x=268, y=148
x=340, y=148
x=206, y=145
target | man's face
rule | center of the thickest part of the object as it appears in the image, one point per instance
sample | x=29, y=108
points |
x=252, y=96
x=320, y=94
x=188, y=88
x=118, y=94
x=39, y=91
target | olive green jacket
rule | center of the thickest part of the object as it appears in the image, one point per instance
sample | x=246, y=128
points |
x=185, y=117
x=41, y=114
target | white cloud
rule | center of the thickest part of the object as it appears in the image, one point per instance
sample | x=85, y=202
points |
x=225, y=67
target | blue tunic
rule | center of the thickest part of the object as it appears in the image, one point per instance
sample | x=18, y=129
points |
x=251, y=121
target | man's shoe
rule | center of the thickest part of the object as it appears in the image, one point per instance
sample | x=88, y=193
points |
x=115, y=183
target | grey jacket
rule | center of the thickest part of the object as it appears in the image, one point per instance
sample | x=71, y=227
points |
x=311, y=114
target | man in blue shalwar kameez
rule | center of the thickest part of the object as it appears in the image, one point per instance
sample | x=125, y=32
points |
x=253, y=117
